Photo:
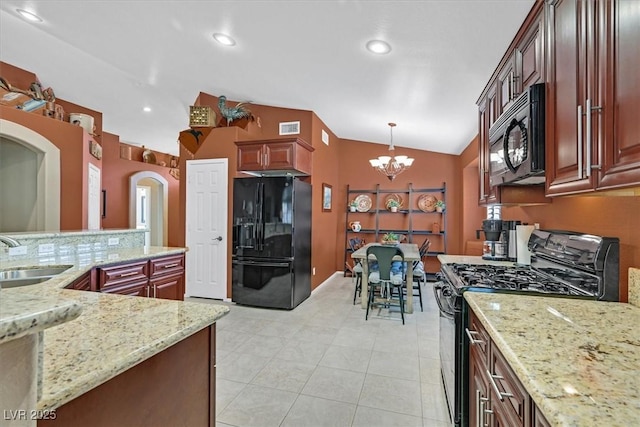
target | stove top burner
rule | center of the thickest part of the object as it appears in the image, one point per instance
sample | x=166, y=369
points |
x=517, y=278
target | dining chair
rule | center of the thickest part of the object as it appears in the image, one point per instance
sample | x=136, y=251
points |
x=419, y=272
x=355, y=244
x=384, y=280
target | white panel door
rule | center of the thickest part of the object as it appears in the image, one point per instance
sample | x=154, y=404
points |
x=93, y=203
x=206, y=228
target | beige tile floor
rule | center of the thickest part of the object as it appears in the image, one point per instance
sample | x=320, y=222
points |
x=322, y=364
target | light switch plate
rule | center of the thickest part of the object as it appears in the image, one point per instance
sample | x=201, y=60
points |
x=113, y=241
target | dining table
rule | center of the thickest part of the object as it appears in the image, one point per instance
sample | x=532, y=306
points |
x=411, y=253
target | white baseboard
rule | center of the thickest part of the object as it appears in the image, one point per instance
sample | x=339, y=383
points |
x=337, y=273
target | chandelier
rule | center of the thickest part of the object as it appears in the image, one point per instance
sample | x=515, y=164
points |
x=390, y=166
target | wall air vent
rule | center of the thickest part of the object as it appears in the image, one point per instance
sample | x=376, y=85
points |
x=289, y=128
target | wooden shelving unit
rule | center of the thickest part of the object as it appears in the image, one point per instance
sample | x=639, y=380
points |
x=409, y=220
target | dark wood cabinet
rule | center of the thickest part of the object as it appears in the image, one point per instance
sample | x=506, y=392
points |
x=161, y=277
x=521, y=67
x=592, y=108
x=176, y=387
x=128, y=278
x=166, y=278
x=497, y=398
x=83, y=283
x=291, y=155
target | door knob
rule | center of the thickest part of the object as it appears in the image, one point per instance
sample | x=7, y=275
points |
x=219, y=238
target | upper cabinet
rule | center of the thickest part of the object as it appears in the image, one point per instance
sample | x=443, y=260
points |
x=275, y=156
x=593, y=57
x=521, y=67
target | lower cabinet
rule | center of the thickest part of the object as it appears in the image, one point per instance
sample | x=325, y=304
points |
x=176, y=387
x=497, y=398
x=161, y=277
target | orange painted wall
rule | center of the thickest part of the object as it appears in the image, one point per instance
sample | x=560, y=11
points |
x=615, y=216
x=115, y=180
x=74, y=157
x=473, y=214
x=429, y=170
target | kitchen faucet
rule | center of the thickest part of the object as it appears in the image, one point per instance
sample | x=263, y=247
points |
x=12, y=243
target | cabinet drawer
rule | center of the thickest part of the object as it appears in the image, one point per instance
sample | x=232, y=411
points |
x=137, y=288
x=119, y=275
x=166, y=265
x=516, y=405
x=479, y=339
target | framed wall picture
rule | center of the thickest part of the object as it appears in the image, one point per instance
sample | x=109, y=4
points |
x=326, y=197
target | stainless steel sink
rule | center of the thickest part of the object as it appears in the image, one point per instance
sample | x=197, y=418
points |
x=29, y=276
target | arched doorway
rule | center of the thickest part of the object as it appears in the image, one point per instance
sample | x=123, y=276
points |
x=29, y=180
x=149, y=205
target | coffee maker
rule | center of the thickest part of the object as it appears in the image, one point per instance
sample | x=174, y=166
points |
x=500, y=236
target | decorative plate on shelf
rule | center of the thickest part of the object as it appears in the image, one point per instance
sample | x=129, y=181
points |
x=396, y=197
x=363, y=203
x=427, y=203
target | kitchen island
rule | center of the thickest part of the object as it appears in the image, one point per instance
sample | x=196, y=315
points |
x=152, y=351
x=578, y=359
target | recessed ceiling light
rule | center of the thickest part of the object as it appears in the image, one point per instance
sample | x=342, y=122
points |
x=378, y=46
x=29, y=16
x=147, y=109
x=224, y=39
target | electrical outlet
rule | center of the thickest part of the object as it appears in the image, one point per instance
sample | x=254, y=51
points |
x=46, y=248
x=113, y=241
x=314, y=271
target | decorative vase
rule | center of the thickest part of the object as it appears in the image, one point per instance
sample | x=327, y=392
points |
x=355, y=226
x=439, y=209
x=352, y=208
x=393, y=209
x=435, y=228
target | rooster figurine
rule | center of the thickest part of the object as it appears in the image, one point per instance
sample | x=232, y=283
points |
x=232, y=113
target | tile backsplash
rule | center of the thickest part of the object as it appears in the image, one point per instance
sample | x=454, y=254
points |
x=43, y=244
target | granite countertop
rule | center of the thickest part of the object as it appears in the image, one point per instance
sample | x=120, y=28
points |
x=578, y=359
x=111, y=334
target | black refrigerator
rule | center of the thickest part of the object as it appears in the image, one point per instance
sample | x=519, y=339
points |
x=271, y=261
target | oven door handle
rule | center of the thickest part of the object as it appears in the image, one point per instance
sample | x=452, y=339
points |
x=436, y=288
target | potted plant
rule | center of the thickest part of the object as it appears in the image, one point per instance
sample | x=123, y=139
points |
x=390, y=239
x=393, y=205
x=353, y=205
x=440, y=206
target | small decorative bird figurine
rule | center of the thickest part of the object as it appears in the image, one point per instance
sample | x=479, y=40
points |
x=232, y=113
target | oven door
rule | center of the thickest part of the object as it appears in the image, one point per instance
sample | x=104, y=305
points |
x=446, y=296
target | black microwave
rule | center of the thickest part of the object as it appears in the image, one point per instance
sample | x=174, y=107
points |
x=516, y=151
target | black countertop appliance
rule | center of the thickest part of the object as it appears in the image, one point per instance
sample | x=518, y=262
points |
x=271, y=261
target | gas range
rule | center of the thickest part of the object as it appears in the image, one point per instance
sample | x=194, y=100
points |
x=563, y=263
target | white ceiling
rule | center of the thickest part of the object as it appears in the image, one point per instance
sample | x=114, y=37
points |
x=119, y=56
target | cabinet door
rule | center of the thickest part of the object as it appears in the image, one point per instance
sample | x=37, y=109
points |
x=620, y=74
x=479, y=404
x=529, y=57
x=569, y=88
x=513, y=397
x=137, y=288
x=168, y=287
x=279, y=156
x=488, y=115
x=539, y=419
x=251, y=157
x=506, y=84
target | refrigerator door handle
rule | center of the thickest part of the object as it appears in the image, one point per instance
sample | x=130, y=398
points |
x=262, y=264
x=261, y=219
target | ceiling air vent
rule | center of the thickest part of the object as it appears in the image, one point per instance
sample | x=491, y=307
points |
x=289, y=128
